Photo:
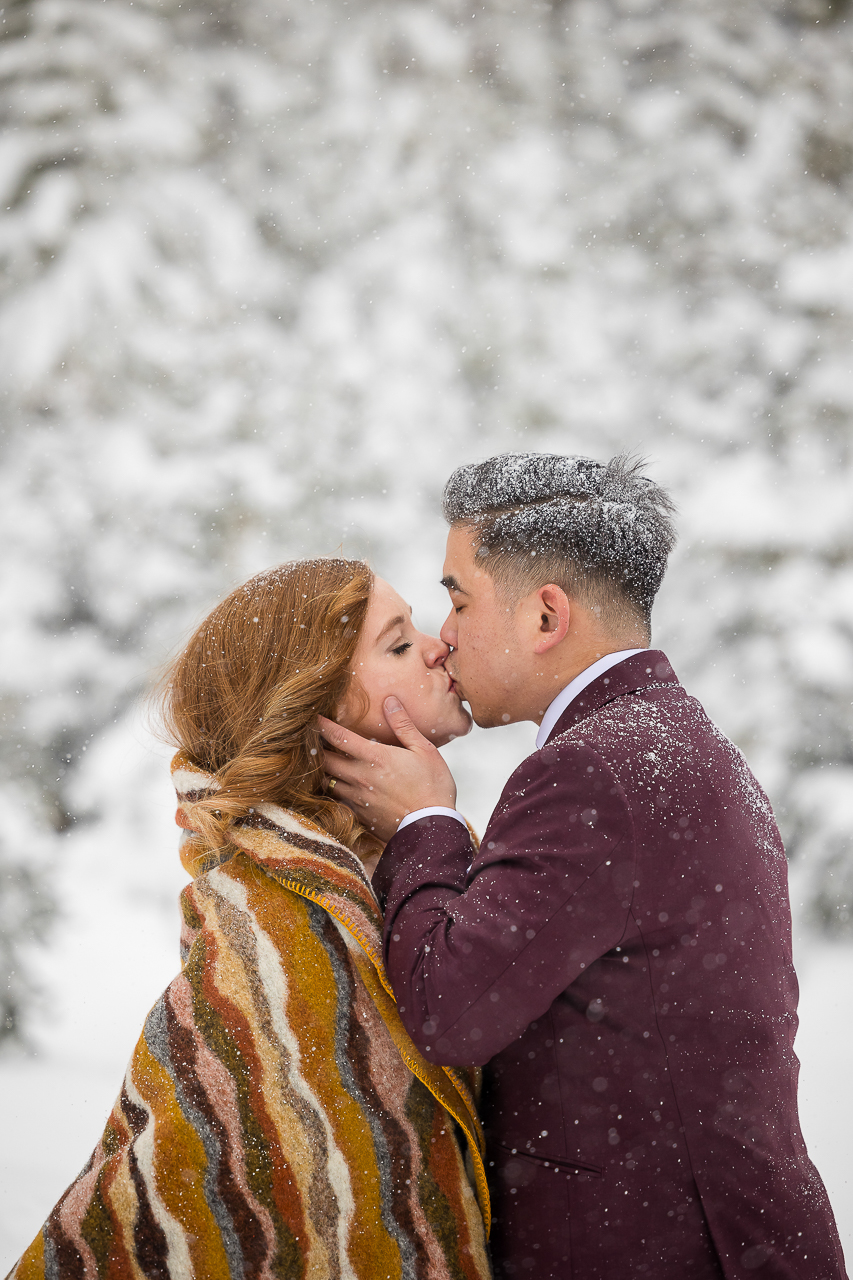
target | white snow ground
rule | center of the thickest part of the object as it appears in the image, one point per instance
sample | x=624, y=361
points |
x=117, y=946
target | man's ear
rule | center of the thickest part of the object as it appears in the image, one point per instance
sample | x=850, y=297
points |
x=554, y=611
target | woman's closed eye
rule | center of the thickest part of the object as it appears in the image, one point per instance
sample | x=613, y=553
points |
x=401, y=648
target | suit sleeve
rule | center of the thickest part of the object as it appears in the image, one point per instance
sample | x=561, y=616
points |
x=479, y=944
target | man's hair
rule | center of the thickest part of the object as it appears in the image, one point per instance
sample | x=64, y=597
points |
x=601, y=531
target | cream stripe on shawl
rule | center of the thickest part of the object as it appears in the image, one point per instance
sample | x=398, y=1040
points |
x=289, y=822
x=220, y=1082
x=387, y=1072
x=180, y=1261
x=275, y=989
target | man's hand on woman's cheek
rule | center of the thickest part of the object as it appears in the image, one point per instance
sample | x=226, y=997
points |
x=382, y=784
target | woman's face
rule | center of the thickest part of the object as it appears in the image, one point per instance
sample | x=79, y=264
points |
x=394, y=657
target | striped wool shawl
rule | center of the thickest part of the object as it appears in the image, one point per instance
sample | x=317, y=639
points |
x=275, y=1119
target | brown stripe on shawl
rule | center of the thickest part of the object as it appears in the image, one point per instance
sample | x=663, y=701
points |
x=356, y=1048
x=76, y=1242
x=219, y=1084
x=227, y=1031
x=327, y=872
x=244, y=1230
x=61, y=1253
x=429, y=1121
x=406, y=1130
x=63, y=1229
x=243, y=1222
x=447, y=1168
x=100, y=1228
x=320, y=848
x=440, y=1081
x=412, y=1134
x=149, y=1240
x=322, y=1201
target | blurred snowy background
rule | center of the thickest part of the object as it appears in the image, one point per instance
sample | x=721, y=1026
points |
x=270, y=270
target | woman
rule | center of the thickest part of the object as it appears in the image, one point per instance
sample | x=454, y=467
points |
x=276, y=1120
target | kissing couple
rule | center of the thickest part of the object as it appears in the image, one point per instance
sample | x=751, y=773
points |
x=564, y=1053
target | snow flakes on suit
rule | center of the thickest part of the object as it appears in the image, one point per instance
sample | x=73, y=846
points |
x=276, y=1120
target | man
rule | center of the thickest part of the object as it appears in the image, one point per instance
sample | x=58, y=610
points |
x=617, y=953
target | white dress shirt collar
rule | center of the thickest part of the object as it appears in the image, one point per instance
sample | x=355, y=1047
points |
x=577, y=686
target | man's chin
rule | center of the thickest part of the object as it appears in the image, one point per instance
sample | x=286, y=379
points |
x=482, y=717
x=489, y=718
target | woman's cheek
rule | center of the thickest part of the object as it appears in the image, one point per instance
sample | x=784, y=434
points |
x=409, y=685
x=421, y=697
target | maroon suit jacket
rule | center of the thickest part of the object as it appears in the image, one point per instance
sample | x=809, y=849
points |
x=618, y=955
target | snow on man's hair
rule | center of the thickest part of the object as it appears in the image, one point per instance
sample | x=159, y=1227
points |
x=603, y=531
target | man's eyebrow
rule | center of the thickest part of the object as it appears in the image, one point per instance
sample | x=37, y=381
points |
x=452, y=585
x=390, y=625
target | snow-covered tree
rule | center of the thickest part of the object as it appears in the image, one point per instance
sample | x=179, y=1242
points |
x=270, y=271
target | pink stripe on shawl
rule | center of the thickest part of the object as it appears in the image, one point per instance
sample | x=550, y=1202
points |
x=222, y=1095
x=71, y=1211
x=391, y=1079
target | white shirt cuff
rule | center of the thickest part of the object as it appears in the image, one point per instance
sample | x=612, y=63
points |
x=438, y=811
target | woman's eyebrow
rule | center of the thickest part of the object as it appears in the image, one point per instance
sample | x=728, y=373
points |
x=391, y=624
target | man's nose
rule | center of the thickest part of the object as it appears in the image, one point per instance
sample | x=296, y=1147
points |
x=437, y=651
x=449, y=633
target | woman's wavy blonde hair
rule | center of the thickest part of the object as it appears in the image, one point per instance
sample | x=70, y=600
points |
x=241, y=700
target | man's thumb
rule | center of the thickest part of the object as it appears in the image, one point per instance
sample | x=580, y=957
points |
x=401, y=723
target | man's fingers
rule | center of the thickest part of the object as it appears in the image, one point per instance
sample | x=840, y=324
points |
x=403, y=726
x=344, y=791
x=352, y=743
x=342, y=768
x=354, y=796
x=333, y=732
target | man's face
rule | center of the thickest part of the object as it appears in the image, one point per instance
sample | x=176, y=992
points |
x=488, y=663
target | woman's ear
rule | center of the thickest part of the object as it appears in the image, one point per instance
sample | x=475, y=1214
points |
x=353, y=706
x=554, y=612
x=343, y=713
